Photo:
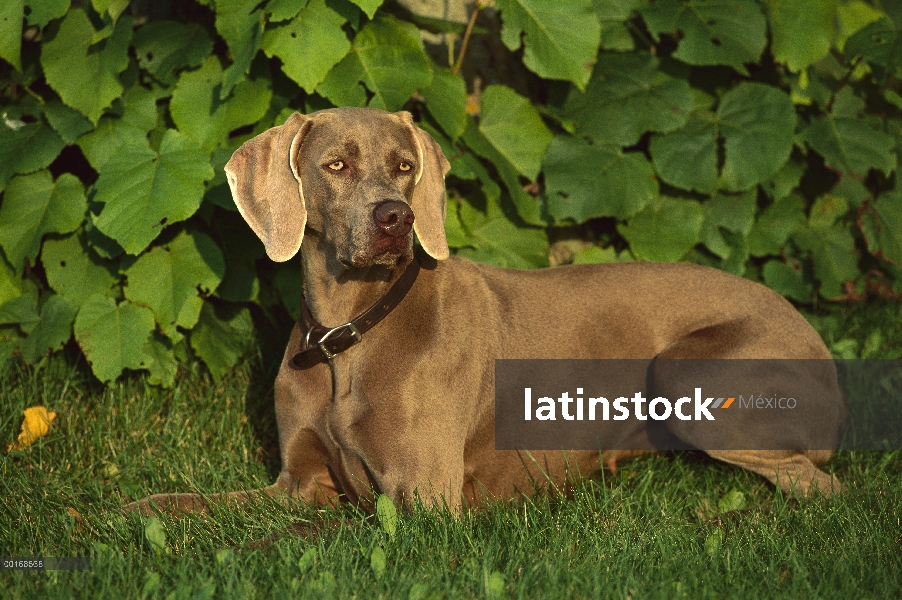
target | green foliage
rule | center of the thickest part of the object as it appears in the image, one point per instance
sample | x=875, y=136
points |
x=143, y=190
x=560, y=37
x=761, y=137
x=731, y=33
x=113, y=336
x=34, y=205
x=85, y=77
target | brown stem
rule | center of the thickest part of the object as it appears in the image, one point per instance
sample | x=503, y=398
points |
x=34, y=94
x=477, y=6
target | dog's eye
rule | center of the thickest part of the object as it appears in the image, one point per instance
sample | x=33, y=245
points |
x=337, y=165
x=404, y=166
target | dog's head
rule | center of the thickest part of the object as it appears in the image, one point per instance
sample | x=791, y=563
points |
x=358, y=177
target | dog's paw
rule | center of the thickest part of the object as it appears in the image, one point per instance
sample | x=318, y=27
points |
x=824, y=485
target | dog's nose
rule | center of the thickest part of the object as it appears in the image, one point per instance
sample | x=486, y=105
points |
x=393, y=217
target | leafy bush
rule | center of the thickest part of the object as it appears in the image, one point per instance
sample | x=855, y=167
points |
x=758, y=137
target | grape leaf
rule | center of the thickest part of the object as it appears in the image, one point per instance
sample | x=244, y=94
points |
x=773, y=228
x=139, y=116
x=163, y=365
x=446, y=100
x=221, y=336
x=497, y=241
x=492, y=238
x=368, y=6
x=528, y=207
x=11, y=341
x=242, y=28
x=826, y=210
x=802, y=30
x=143, y=190
x=687, y=158
x=26, y=148
x=665, y=230
x=834, y=256
x=596, y=254
x=68, y=123
x=164, y=47
x=879, y=43
x=849, y=143
x=785, y=180
x=786, y=281
x=881, y=224
x=284, y=10
x=113, y=337
x=831, y=244
x=21, y=310
x=852, y=16
x=310, y=45
x=342, y=84
x=454, y=230
x=612, y=15
x=12, y=13
x=720, y=32
x=169, y=279
x=628, y=95
x=84, y=74
x=44, y=11
x=198, y=111
x=112, y=7
x=388, y=57
x=240, y=249
x=34, y=205
x=735, y=213
x=757, y=122
x=10, y=283
x=75, y=272
x=586, y=181
x=52, y=331
x=560, y=37
x=853, y=190
x=513, y=126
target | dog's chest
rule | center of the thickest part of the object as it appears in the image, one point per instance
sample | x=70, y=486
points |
x=348, y=406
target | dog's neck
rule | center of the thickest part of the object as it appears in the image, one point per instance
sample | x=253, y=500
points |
x=337, y=294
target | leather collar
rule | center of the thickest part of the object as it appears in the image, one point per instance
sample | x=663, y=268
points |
x=321, y=343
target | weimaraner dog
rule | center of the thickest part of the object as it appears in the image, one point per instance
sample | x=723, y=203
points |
x=387, y=384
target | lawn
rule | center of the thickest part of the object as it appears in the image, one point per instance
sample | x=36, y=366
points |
x=677, y=525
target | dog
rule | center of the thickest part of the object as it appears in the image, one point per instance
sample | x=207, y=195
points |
x=387, y=383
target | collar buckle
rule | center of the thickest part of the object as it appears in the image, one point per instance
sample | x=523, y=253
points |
x=335, y=331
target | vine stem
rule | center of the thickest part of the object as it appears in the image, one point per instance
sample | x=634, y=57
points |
x=477, y=6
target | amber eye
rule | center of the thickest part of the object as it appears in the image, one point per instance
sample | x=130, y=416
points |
x=337, y=165
x=404, y=166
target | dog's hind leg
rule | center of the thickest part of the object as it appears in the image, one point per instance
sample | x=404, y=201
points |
x=794, y=471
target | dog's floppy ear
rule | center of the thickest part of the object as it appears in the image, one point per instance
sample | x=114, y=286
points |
x=428, y=202
x=266, y=186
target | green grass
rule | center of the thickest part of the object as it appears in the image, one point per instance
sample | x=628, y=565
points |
x=661, y=527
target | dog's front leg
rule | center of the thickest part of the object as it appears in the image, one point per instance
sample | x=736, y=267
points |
x=422, y=468
x=304, y=477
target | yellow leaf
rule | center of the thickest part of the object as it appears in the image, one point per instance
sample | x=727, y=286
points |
x=36, y=423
